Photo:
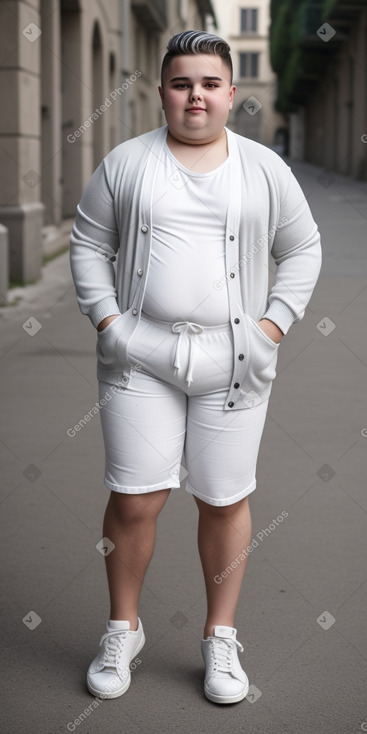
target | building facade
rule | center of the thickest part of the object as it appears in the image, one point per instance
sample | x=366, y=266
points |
x=319, y=51
x=245, y=26
x=77, y=78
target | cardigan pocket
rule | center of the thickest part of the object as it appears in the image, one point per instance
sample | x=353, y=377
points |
x=262, y=359
x=111, y=345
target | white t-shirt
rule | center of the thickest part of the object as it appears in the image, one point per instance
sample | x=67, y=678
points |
x=188, y=244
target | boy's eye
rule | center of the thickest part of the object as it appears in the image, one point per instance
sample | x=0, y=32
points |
x=184, y=86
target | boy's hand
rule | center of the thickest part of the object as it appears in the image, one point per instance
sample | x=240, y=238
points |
x=102, y=324
x=271, y=330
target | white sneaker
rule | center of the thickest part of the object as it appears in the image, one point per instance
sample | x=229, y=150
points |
x=109, y=674
x=225, y=681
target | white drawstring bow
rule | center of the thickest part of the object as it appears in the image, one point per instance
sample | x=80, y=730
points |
x=189, y=328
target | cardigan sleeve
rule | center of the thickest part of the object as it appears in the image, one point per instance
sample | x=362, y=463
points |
x=297, y=254
x=94, y=242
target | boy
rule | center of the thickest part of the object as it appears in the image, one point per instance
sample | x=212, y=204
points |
x=188, y=339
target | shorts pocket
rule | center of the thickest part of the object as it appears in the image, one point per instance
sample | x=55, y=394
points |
x=262, y=359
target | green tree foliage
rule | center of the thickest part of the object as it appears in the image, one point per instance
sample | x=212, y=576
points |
x=293, y=22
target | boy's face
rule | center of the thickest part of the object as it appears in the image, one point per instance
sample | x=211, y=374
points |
x=197, y=96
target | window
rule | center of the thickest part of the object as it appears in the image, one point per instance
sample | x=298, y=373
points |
x=249, y=64
x=249, y=19
x=138, y=63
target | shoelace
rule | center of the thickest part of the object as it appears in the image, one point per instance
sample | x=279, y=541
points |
x=112, y=648
x=222, y=654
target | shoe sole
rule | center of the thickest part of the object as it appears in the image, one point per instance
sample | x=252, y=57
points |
x=226, y=699
x=120, y=691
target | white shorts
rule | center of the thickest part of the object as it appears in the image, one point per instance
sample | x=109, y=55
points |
x=171, y=416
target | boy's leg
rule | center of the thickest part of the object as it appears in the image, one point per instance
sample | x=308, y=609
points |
x=221, y=456
x=143, y=430
x=130, y=523
x=223, y=533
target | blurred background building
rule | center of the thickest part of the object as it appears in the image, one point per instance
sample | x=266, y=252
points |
x=245, y=25
x=318, y=49
x=77, y=78
x=80, y=76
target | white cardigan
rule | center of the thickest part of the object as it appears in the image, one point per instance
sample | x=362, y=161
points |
x=267, y=214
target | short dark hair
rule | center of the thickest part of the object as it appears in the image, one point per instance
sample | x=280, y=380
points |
x=197, y=42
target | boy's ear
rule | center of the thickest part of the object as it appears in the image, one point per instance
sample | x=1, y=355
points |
x=161, y=94
x=232, y=93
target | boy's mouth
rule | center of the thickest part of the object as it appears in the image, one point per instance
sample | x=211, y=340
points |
x=195, y=109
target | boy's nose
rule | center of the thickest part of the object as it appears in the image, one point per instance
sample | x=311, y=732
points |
x=196, y=94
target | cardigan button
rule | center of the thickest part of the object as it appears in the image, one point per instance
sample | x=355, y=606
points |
x=144, y=228
x=134, y=312
x=236, y=321
x=231, y=237
x=241, y=357
x=231, y=404
x=139, y=272
x=231, y=275
x=236, y=385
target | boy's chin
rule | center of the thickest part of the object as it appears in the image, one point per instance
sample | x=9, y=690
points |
x=195, y=135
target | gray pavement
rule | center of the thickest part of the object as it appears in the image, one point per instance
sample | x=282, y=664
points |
x=301, y=616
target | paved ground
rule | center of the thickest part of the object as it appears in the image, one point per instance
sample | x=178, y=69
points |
x=301, y=617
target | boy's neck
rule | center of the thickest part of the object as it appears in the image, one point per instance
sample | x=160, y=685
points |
x=197, y=156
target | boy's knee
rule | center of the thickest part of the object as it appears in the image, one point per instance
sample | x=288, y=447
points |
x=223, y=511
x=134, y=508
